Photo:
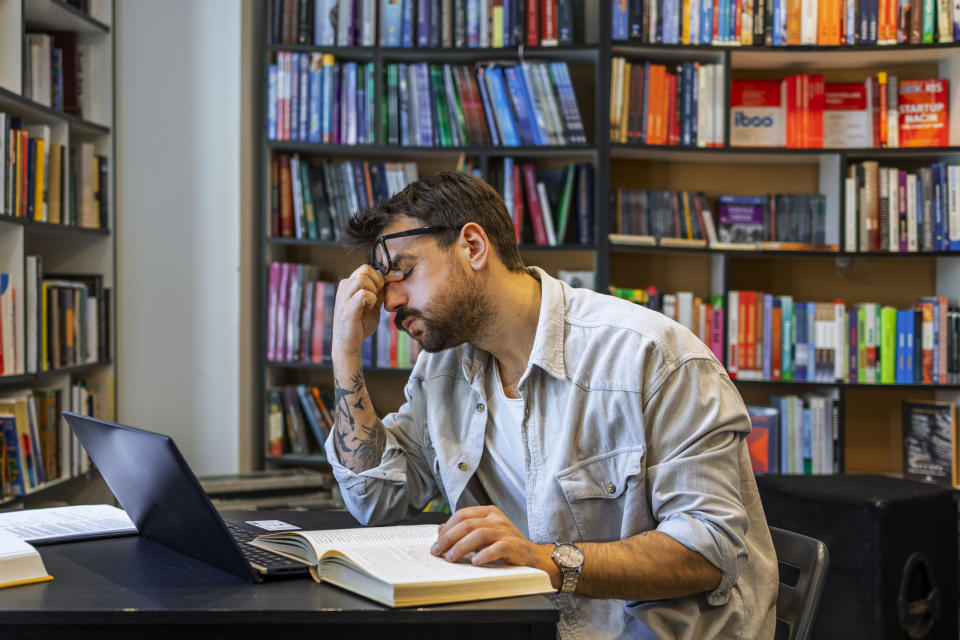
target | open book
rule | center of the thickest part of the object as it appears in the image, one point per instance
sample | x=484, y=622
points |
x=60, y=524
x=394, y=566
x=20, y=563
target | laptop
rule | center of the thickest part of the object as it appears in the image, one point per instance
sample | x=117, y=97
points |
x=154, y=484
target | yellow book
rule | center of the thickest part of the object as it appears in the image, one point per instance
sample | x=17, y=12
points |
x=394, y=566
x=39, y=212
x=20, y=562
x=498, y=26
x=54, y=192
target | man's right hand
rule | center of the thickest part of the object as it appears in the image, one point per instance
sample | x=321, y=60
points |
x=356, y=313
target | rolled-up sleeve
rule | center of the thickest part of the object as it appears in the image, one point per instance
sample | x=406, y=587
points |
x=695, y=422
x=402, y=483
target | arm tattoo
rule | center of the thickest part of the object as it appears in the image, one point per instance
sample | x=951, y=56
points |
x=361, y=436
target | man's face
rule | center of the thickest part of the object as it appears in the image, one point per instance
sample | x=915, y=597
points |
x=439, y=302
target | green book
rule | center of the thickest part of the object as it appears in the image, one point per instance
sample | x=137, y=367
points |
x=457, y=107
x=888, y=345
x=566, y=197
x=403, y=350
x=861, y=344
x=391, y=129
x=440, y=101
x=787, y=340
x=929, y=14
x=308, y=211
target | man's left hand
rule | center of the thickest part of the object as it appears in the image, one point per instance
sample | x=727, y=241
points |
x=492, y=537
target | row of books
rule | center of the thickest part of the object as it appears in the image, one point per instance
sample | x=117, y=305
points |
x=34, y=175
x=427, y=23
x=299, y=314
x=390, y=347
x=298, y=420
x=659, y=104
x=532, y=103
x=702, y=316
x=795, y=435
x=774, y=338
x=36, y=444
x=548, y=206
x=802, y=111
x=889, y=209
x=314, y=202
x=786, y=22
x=314, y=98
x=56, y=71
x=683, y=218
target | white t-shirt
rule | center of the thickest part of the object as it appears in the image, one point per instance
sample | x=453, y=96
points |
x=502, y=468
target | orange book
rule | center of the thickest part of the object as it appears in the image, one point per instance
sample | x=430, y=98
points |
x=926, y=342
x=922, y=109
x=748, y=306
x=776, y=342
x=794, y=19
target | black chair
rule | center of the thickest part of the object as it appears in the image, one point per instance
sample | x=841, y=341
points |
x=803, y=565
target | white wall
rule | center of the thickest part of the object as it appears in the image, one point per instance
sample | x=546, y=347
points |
x=180, y=204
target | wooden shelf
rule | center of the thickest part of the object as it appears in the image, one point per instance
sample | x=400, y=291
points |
x=57, y=15
x=30, y=378
x=47, y=227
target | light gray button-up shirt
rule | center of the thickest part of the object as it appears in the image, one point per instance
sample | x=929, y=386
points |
x=630, y=424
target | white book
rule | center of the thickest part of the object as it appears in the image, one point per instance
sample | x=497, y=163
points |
x=808, y=22
x=554, y=121
x=58, y=524
x=911, y=212
x=20, y=563
x=298, y=226
x=717, y=103
x=8, y=320
x=344, y=23
x=944, y=21
x=4, y=165
x=850, y=214
x=701, y=104
x=816, y=434
x=695, y=22
x=893, y=211
x=484, y=25
x=839, y=340
x=733, y=346
x=685, y=309
x=669, y=305
x=368, y=23
x=547, y=214
x=893, y=121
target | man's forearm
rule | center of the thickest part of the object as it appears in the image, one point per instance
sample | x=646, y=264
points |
x=359, y=436
x=647, y=566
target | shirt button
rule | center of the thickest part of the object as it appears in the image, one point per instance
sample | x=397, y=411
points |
x=462, y=466
x=480, y=407
x=611, y=488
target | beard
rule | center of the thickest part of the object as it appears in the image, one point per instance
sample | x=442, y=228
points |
x=454, y=319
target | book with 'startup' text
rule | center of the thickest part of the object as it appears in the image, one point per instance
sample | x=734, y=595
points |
x=394, y=566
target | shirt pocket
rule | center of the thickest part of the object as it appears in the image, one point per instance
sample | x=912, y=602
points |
x=606, y=494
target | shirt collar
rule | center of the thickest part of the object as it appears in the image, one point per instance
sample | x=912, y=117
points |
x=547, y=351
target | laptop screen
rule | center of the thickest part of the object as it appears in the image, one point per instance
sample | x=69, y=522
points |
x=154, y=484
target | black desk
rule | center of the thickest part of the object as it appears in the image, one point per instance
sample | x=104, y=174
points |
x=130, y=587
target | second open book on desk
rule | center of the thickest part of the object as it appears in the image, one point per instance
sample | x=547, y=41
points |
x=394, y=566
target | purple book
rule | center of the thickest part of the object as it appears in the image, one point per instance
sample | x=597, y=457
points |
x=272, y=295
x=741, y=218
x=337, y=84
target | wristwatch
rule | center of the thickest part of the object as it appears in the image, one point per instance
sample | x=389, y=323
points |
x=569, y=558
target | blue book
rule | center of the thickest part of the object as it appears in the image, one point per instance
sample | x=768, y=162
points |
x=811, y=341
x=326, y=114
x=937, y=207
x=316, y=97
x=944, y=206
x=368, y=111
x=706, y=23
x=575, y=133
x=391, y=22
x=473, y=23
x=807, y=441
x=689, y=114
x=780, y=404
x=361, y=104
x=507, y=24
x=780, y=23
x=671, y=22
x=800, y=341
x=487, y=108
x=312, y=413
x=585, y=215
x=851, y=23
x=8, y=427
x=501, y=107
x=303, y=76
x=294, y=86
x=426, y=123
x=905, y=346
x=324, y=23
x=407, y=34
x=272, y=102
x=423, y=23
x=523, y=106
x=619, y=22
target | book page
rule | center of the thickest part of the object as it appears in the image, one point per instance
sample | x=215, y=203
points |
x=345, y=538
x=66, y=523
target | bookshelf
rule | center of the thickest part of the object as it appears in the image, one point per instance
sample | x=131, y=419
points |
x=78, y=241
x=868, y=415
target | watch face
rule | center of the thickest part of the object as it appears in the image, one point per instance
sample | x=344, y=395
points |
x=569, y=556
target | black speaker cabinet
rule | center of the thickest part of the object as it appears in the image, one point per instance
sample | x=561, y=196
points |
x=893, y=552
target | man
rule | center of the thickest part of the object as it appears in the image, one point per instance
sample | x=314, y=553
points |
x=545, y=414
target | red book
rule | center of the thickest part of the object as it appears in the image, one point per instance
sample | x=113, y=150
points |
x=673, y=125
x=533, y=23
x=874, y=94
x=533, y=203
x=817, y=104
x=393, y=341
x=922, y=109
x=286, y=197
x=776, y=343
x=548, y=23
x=517, y=203
x=804, y=103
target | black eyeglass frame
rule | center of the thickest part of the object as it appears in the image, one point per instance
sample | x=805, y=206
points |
x=384, y=269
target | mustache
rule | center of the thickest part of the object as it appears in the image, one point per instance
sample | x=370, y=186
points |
x=403, y=315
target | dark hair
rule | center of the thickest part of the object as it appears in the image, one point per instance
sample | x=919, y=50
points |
x=448, y=199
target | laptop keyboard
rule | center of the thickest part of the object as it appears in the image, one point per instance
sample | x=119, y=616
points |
x=260, y=558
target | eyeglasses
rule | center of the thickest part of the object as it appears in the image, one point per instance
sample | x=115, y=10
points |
x=381, y=260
